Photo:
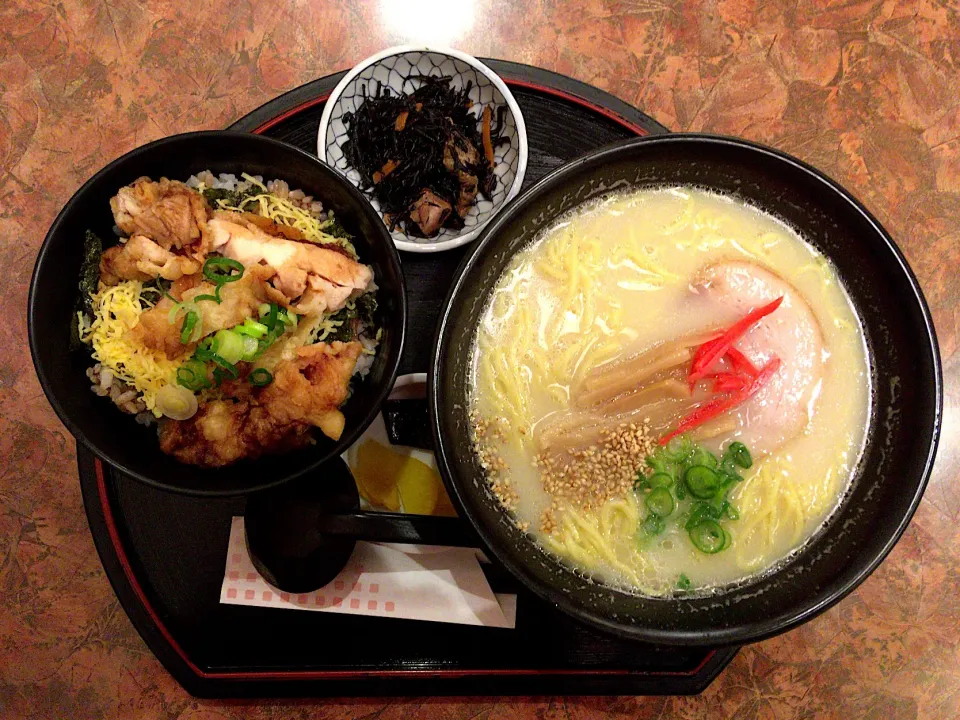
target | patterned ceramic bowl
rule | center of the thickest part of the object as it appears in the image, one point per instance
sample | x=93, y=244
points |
x=398, y=68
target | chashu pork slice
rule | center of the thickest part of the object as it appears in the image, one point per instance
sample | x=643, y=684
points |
x=782, y=407
x=309, y=278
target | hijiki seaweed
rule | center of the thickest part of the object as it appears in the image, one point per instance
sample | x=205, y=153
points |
x=424, y=156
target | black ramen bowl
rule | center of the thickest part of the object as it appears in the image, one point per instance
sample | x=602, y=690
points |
x=905, y=367
x=116, y=437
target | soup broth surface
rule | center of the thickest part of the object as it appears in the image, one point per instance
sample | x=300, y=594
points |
x=614, y=279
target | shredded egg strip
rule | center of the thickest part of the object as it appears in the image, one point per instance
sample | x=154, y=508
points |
x=117, y=310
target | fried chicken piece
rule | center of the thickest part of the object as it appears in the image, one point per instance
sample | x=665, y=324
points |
x=140, y=258
x=285, y=348
x=238, y=301
x=223, y=432
x=181, y=285
x=167, y=212
x=311, y=387
x=301, y=271
x=306, y=391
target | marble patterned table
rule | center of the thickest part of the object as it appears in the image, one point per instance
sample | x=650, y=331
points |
x=867, y=90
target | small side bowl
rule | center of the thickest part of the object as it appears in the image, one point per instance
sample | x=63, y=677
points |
x=397, y=68
x=117, y=438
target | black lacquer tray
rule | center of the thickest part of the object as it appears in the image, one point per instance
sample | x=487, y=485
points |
x=165, y=553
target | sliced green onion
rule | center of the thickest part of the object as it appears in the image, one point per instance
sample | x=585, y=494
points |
x=659, y=464
x=727, y=539
x=732, y=512
x=250, y=348
x=700, y=456
x=252, y=328
x=701, y=481
x=229, y=346
x=653, y=525
x=660, y=480
x=203, y=352
x=260, y=377
x=263, y=309
x=678, y=449
x=229, y=368
x=220, y=270
x=272, y=317
x=708, y=537
x=680, y=490
x=730, y=469
x=189, y=323
x=176, y=402
x=215, y=297
x=287, y=317
x=660, y=502
x=741, y=456
x=206, y=351
x=683, y=582
x=186, y=307
x=699, y=512
x=193, y=375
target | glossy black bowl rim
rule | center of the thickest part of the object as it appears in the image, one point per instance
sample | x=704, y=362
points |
x=78, y=198
x=752, y=630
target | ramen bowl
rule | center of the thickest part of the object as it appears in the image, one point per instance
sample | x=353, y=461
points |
x=902, y=429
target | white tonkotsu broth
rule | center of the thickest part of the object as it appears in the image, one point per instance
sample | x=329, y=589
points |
x=624, y=275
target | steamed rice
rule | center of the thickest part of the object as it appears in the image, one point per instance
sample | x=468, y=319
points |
x=280, y=188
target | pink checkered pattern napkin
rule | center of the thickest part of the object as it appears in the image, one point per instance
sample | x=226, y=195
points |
x=404, y=581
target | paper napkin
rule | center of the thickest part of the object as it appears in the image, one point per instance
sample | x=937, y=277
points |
x=415, y=582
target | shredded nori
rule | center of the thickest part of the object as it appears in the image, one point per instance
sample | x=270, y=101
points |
x=230, y=197
x=417, y=150
x=86, y=286
x=366, y=306
x=363, y=310
x=90, y=269
x=348, y=328
x=337, y=230
x=156, y=288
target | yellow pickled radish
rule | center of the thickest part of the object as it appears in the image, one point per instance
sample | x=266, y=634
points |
x=419, y=486
x=391, y=501
x=377, y=470
x=361, y=487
